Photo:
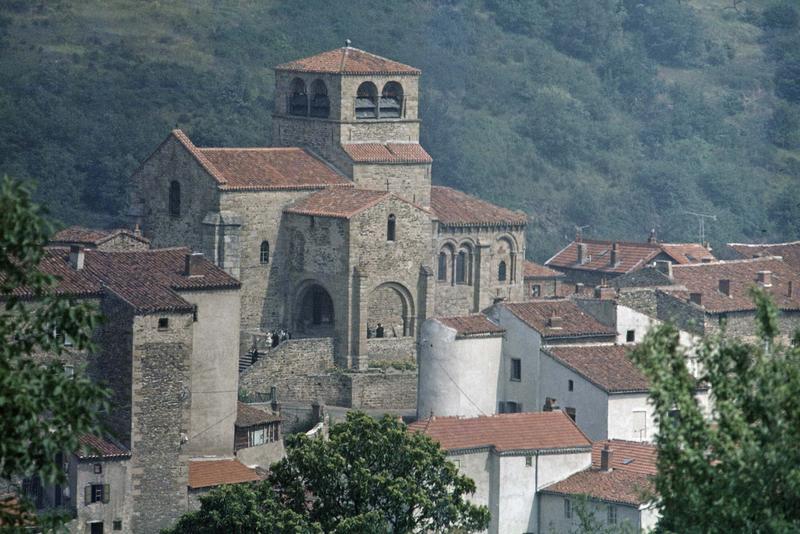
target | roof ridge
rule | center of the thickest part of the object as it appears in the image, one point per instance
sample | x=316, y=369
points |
x=249, y=148
x=763, y=244
x=199, y=156
x=730, y=262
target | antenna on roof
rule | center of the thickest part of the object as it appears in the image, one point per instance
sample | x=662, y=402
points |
x=701, y=219
x=347, y=43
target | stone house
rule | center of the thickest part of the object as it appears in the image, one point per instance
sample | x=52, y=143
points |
x=617, y=489
x=789, y=252
x=511, y=457
x=336, y=230
x=258, y=436
x=118, y=240
x=541, y=281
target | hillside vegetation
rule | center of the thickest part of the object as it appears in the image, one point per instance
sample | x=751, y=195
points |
x=618, y=114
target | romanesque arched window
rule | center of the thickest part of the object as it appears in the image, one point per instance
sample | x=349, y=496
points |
x=391, y=100
x=391, y=228
x=367, y=101
x=320, y=105
x=298, y=98
x=175, y=198
x=461, y=267
x=501, y=272
x=264, y=252
x=441, y=273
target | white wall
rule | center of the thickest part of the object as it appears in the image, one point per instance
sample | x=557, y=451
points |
x=457, y=377
x=621, y=419
x=555, y=522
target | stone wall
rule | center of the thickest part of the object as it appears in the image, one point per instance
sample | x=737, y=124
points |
x=548, y=287
x=123, y=243
x=642, y=300
x=684, y=315
x=742, y=325
x=411, y=181
x=384, y=390
x=392, y=349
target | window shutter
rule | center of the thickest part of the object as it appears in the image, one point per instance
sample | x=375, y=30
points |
x=106, y=492
x=87, y=494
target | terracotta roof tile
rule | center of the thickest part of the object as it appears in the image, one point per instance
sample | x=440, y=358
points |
x=92, y=447
x=348, y=60
x=247, y=416
x=534, y=270
x=454, y=208
x=704, y=278
x=207, y=473
x=338, y=202
x=505, y=432
x=686, y=253
x=575, y=322
x=387, y=153
x=633, y=456
x=790, y=252
x=607, y=366
x=471, y=325
x=91, y=237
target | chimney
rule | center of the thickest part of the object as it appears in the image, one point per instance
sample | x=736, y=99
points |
x=652, y=237
x=665, y=267
x=583, y=253
x=604, y=292
x=579, y=288
x=76, y=257
x=550, y=405
x=555, y=321
x=765, y=278
x=606, y=457
x=725, y=287
x=696, y=298
x=614, y=256
x=192, y=265
x=137, y=231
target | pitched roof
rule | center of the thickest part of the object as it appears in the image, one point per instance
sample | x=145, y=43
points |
x=348, y=60
x=574, y=322
x=263, y=169
x=247, y=416
x=338, y=203
x=790, y=252
x=704, y=278
x=685, y=253
x=454, y=208
x=148, y=280
x=607, y=366
x=94, y=447
x=532, y=269
x=206, y=473
x=91, y=236
x=472, y=325
x=387, y=153
x=505, y=432
x=629, y=482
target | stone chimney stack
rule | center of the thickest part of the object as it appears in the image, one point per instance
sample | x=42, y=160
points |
x=555, y=321
x=583, y=253
x=614, y=255
x=725, y=287
x=606, y=457
x=765, y=278
x=665, y=267
x=604, y=292
x=76, y=257
x=192, y=265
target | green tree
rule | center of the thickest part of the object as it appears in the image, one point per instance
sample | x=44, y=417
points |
x=43, y=410
x=741, y=471
x=369, y=476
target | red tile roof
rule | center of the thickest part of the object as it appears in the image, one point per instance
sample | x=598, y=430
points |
x=339, y=203
x=94, y=447
x=207, y=473
x=505, y=432
x=91, y=237
x=685, y=253
x=743, y=274
x=348, y=60
x=472, y=325
x=790, y=252
x=387, y=153
x=629, y=482
x=574, y=322
x=454, y=208
x=148, y=280
x=607, y=366
x=534, y=270
x=247, y=416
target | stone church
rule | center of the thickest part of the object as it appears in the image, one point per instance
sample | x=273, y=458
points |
x=336, y=230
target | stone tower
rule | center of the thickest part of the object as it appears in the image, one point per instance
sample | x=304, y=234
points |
x=359, y=112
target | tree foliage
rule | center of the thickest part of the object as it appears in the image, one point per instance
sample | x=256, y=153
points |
x=43, y=410
x=369, y=476
x=741, y=471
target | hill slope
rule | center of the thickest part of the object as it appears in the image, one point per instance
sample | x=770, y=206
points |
x=618, y=114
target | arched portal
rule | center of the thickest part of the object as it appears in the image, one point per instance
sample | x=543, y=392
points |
x=390, y=312
x=315, y=315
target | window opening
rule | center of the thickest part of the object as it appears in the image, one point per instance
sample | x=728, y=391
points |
x=175, y=198
x=163, y=323
x=391, y=105
x=264, y=252
x=516, y=369
x=570, y=385
x=366, y=97
x=571, y=413
x=630, y=336
x=536, y=291
x=461, y=267
x=501, y=272
x=320, y=104
x=298, y=99
x=442, y=270
x=391, y=227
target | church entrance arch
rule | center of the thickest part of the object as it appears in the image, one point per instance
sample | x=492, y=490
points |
x=390, y=312
x=315, y=314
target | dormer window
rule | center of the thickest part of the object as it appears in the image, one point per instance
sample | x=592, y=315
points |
x=391, y=101
x=366, y=101
x=298, y=98
x=320, y=104
x=391, y=228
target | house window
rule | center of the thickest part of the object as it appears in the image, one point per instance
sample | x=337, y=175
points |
x=257, y=437
x=567, y=509
x=391, y=226
x=528, y=461
x=264, y=252
x=98, y=469
x=441, y=274
x=612, y=514
x=175, y=198
x=570, y=385
x=516, y=369
x=163, y=323
x=571, y=413
x=536, y=290
x=630, y=336
x=67, y=340
x=501, y=272
x=513, y=407
x=69, y=370
x=461, y=267
x=96, y=527
x=117, y=524
x=96, y=493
